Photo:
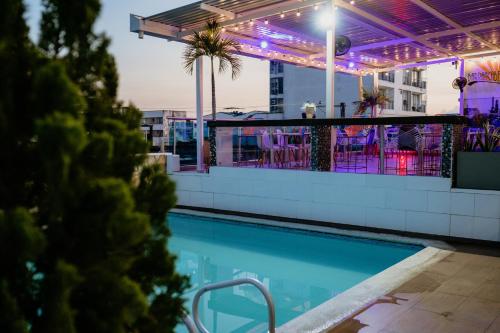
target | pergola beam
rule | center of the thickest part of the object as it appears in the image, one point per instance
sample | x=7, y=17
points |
x=419, y=64
x=380, y=22
x=259, y=13
x=476, y=27
x=144, y=27
x=452, y=23
x=217, y=10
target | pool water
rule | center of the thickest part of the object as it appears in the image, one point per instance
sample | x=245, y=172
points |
x=300, y=269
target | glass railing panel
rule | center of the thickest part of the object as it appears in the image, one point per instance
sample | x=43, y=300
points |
x=286, y=147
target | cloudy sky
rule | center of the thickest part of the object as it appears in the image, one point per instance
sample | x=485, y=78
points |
x=152, y=77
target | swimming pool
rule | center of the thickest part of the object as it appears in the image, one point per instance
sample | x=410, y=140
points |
x=300, y=269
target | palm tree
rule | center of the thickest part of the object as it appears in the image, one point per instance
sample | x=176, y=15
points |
x=371, y=99
x=212, y=44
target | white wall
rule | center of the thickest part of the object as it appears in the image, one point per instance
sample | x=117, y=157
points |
x=414, y=204
x=302, y=84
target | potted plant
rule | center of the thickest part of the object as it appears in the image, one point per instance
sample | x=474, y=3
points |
x=478, y=165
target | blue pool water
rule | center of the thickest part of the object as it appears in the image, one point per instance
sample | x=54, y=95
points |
x=301, y=269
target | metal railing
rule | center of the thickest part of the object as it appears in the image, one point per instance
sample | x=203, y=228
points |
x=420, y=146
x=227, y=284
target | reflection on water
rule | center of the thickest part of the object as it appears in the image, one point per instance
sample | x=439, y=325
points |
x=301, y=270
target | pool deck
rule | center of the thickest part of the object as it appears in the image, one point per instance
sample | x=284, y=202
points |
x=459, y=293
x=450, y=288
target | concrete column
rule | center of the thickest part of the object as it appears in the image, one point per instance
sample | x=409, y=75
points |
x=199, y=115
x=330, y=65
x=375, y=88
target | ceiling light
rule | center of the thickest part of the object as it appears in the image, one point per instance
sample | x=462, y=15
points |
x=326, y=19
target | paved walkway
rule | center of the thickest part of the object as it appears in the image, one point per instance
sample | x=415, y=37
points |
x=459, y=294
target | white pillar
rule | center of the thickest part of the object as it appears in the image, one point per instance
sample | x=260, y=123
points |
x=199, y=115
x=462, y=95
x=330, y=65
x=375, y=88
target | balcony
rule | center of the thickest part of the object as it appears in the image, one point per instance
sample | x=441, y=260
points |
x=417, y=84
x=386, y=76
x=389, y=105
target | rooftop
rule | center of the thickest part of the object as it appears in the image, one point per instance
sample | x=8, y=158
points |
x=383, y=35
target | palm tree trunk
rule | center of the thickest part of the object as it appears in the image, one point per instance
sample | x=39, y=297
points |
x=213, y=89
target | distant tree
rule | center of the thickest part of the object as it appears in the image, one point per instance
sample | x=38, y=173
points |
x=82, y=223
x=211, y=43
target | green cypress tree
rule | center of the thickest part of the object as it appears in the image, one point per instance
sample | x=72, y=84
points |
x=82, y=224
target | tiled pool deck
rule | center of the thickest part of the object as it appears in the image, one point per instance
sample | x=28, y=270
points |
x=460, y=293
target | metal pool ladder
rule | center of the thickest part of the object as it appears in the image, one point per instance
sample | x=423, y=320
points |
x=198, y=326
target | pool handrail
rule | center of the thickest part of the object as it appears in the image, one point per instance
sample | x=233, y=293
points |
x=232, y=283
x=188, y=322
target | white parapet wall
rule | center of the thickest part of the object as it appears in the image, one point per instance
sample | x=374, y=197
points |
x=415, y=204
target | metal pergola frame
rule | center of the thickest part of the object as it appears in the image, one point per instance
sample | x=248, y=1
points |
x=387, y=34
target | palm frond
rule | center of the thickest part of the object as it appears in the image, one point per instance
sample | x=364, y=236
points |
x=212, y=44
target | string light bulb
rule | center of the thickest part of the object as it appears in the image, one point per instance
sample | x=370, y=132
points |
x=316, y=7
x=282, y=15
x=298, y=14
x=266, y=21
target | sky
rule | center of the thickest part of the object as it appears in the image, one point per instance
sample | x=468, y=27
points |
x=152, y=75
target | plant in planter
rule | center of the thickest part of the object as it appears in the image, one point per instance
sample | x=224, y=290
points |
x=479, y=162
x=490, y=140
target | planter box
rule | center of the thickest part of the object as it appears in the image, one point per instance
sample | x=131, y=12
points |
x=478, y=170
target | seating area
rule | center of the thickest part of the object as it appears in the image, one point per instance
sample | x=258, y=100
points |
x=408, y=149
x=274, y=148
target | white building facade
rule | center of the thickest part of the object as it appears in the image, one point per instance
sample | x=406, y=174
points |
x=292, y=86
x=156, y=122
x=406, y=90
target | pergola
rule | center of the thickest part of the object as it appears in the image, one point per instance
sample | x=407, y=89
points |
x=385, y=34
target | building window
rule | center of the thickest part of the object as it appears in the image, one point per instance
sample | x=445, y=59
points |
x=276, y=86
x=417, y=103
x=414, y=78
x=386, y=76
x=157, y=134
x=276, y=105
x=276, y=67
x=406, y=100
x=389, y=94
